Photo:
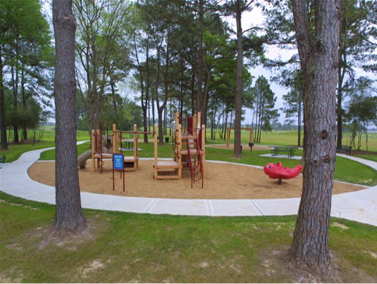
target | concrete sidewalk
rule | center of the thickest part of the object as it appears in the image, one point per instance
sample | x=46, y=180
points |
x=360, y=206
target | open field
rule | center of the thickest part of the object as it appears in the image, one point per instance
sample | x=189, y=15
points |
x=289, y=138
x=268, y=138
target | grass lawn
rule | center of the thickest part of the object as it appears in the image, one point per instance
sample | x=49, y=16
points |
x=124, y=247
x=15, y=151
x=289, y=138
x=368, y=157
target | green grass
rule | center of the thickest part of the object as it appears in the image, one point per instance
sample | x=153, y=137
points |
x=288, y=138
x=368, y=157
x=156, y=248
x=16, y=150
x=50, y=154
x=125, y=247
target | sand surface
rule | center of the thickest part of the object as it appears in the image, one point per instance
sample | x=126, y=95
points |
x=222, y=181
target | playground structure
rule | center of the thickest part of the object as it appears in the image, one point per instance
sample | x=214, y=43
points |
x=189, y=150
x=168, y=169
x=193, y=146
x=251, y=138
x=131, y=162
x=105, y=145
x=102, y=147
x=279, y=172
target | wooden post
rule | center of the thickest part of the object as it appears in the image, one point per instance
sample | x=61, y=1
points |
x=194, y=125
x=136, y=146
x=155, y=150
x=176, y=119
x=98, y=147
x=203, y=148
x=115, y=139
x=251, y=139
x=178, y=146
x=94, y=147
x=227, y=136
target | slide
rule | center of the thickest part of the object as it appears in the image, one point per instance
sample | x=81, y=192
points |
x=83, y=157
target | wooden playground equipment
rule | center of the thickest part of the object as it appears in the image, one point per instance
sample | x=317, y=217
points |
x=168, y=169
x=131, y=162
x=251, y=139
x=189, y=150
x=105, y=145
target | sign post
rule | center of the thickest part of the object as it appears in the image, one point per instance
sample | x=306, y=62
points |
x=118, y=165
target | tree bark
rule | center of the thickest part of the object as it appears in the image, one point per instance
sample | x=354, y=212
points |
x=299, y=121
x=4, y=141
x=15, y=102
x=199, y=96
x=237, y=122
x=143, y=96
x=319, y=61
x=23, y=98
x=69, y=215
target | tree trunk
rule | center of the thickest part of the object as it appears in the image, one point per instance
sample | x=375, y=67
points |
x=23, y=97
x=343, y=65
x=319, y=62
x=237, y=122
x=69, y=215
x=299, y=122
x=147, y=97
x=15, y=103
x=192, y=84
x=4, y=141
x=199, y=96
x=143, y=97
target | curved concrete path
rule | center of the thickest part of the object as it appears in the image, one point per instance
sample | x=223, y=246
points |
x=360, y=206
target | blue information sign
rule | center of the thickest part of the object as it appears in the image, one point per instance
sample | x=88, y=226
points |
x=118, y=162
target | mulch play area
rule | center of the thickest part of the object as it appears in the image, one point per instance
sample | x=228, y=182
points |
x=222, y=181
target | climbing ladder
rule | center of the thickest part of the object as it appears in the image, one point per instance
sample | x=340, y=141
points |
x=196, y=161
x=193, y=146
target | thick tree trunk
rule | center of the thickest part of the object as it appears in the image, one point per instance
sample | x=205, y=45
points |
x=69, y=216
x=237, y=122
x=319, y=62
